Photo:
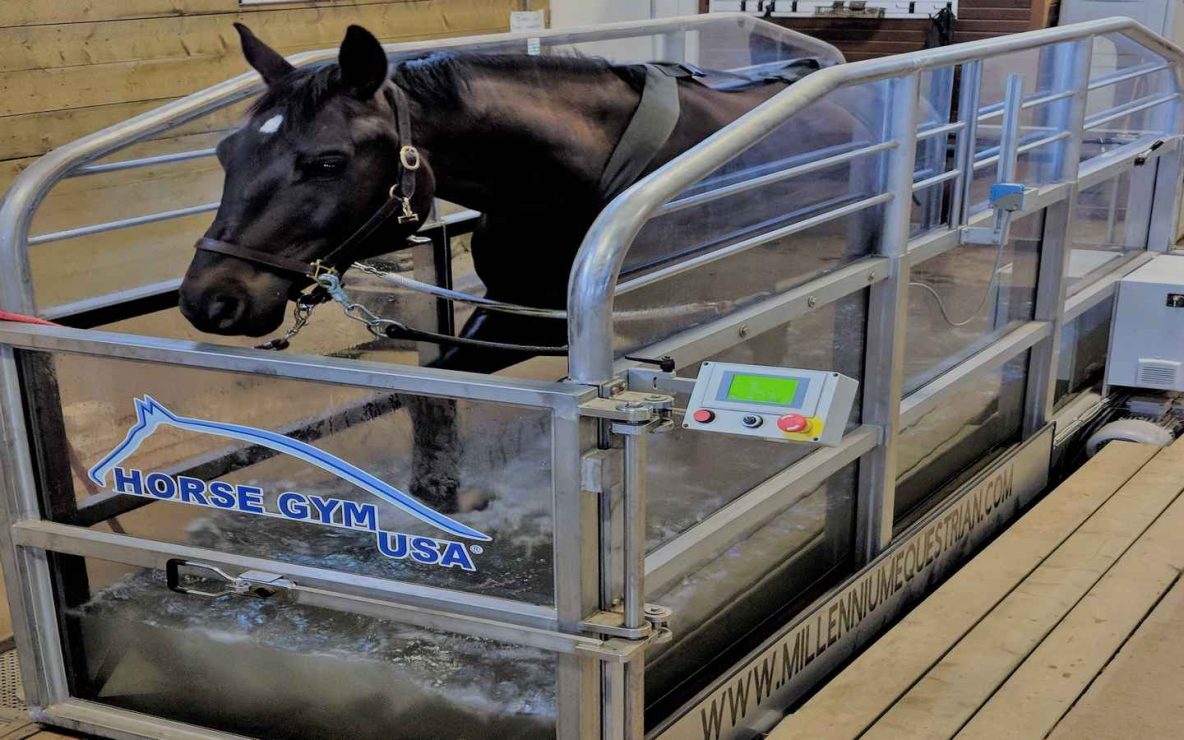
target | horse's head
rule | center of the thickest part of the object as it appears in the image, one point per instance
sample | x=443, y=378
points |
x=316, y=159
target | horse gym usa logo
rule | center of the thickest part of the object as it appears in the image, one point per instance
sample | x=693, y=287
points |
x=292, y=505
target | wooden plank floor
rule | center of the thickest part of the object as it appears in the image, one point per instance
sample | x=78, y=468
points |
x=1067, y=626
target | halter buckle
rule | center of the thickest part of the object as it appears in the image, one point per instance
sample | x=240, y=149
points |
x=409, y=157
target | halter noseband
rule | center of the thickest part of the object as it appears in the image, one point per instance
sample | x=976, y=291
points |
x=398, y=199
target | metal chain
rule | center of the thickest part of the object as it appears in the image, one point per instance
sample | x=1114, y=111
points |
x=300, y=316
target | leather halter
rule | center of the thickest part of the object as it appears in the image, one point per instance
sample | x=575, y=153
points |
x=398, y=202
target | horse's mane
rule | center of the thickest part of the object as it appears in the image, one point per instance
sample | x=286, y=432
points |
x=440, y=79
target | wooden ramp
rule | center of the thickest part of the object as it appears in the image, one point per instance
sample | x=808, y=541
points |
x=1070, y=625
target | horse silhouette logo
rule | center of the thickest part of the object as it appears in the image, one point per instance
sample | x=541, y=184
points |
x=151, y=415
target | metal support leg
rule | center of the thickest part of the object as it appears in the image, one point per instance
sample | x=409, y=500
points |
x=1055, y=250
x=577, y=574
x=887, y=316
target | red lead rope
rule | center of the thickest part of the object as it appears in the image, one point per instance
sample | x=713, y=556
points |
x=20, y=318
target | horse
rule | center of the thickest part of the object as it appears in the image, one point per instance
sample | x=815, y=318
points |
x=524, y=140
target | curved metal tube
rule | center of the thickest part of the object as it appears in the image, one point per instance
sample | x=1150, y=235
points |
x=598, y=264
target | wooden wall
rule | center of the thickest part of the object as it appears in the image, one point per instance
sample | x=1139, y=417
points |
x=860, y=39
x=71, y=67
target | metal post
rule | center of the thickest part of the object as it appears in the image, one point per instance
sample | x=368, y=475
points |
x=968, y=100
x=1165, y=206
x=635, y=462
x=887, y=316
x=577, y=576
x=636, y=437
x=1072, y=73
x=29, y=583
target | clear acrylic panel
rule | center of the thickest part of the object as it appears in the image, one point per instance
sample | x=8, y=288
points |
x=963, y=299
x=272, y=668
x=319, y=475
x=698, y=296
x=1085, y=344
x=692, y=475
x=1111, y=220
x=952, y=442
x=1125, y=75
x=803, y=549
x=936, y=97
x=749, y=224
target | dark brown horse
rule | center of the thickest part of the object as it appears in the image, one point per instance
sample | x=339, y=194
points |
x=525, y=140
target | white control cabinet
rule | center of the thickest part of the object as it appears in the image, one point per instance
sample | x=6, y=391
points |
x=1147, y=339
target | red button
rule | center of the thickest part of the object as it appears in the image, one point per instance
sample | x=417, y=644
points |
x=793, y=423
x=703, y=416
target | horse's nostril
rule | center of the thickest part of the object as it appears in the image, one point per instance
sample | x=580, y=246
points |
x=224, y=310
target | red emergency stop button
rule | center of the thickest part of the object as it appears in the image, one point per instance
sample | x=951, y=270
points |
x=703, y=416
x=793, y=423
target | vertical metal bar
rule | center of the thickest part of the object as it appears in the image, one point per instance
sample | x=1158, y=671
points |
x=887, y=318
x=1009, y=134
x=576, y=569
x=613, y=718
x=636, y=441
x=634, y=690
x=442, y=259
x=968, y=101
x=1165, y=205
x=29, y=581
x=635, y=462
x=1056, y=247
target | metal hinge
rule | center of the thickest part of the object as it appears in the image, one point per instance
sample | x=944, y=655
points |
x=611, y=624
x=250, y=583
x=629, y=407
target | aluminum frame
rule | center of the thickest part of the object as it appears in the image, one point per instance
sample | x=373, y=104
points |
x=600, y=680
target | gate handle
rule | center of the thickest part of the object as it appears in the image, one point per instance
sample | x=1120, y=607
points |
x=172, y=575
x=250, y=583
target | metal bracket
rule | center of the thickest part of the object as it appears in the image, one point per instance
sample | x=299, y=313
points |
x=644, y=380
x=629, y=407
x=1007, y=198
x=250, y=583
x=611, y=624
x=600, y=471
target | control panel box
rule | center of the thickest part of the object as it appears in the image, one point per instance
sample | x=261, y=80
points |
x=1147, y=337
x=780, y=404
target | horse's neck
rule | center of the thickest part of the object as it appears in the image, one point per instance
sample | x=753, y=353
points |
x=522, y=144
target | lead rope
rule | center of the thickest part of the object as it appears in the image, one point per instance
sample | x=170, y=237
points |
x=393, y=329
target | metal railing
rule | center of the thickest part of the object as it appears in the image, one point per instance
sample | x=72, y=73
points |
x=594, y=277
x=595, y=282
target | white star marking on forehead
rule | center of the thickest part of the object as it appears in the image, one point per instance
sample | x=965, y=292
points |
x=271, y=125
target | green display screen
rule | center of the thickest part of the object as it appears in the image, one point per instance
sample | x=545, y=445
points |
x=762, y=389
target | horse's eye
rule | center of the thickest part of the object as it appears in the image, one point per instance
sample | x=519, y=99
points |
x=326, y=166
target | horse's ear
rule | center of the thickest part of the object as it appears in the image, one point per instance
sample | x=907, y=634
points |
x=363, y=63
x=267, y=61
